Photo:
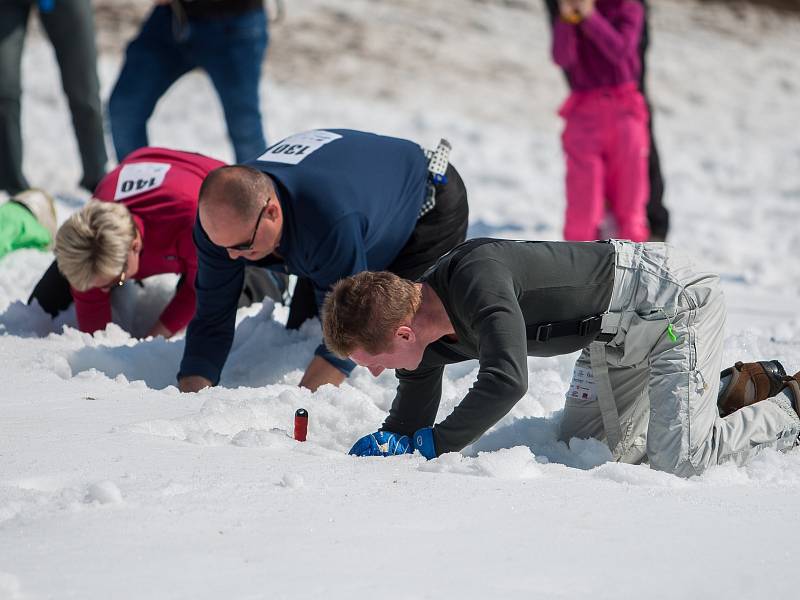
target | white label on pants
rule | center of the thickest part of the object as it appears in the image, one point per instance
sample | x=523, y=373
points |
x=298, y=147
x=137, y=178
x=582, y=386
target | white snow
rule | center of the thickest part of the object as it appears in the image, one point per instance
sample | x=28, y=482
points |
x=114, y=485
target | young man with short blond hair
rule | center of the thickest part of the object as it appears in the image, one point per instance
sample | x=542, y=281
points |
x=649, y=327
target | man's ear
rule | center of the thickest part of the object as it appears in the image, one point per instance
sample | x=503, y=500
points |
x=273, y=210
x=406, y=334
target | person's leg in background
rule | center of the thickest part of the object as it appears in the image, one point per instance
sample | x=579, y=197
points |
x=585, y=173
x=657, y=213
x=13, y=22
x=153, y=62
x=232, y=49
x=70, y=27
x=626, y=180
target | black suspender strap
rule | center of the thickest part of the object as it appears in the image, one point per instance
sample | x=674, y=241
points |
x=588, y=327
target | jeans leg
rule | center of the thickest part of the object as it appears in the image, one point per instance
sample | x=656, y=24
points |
x=232, y=52
x=70, y=27
x=153, y=62
x=13, y=21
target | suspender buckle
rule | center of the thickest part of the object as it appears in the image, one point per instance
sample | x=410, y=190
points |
x=543, y=332
x=589, y=325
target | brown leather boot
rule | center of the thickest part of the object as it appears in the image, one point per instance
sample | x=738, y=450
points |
x=792, y=385
x=750, y=383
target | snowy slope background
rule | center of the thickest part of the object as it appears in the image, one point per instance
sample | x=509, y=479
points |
x=114, y=485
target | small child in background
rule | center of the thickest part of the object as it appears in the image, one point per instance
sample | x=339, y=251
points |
x=27, y=220
x=605, y=140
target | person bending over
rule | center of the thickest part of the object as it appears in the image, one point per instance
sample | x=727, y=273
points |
x=650, y=329
x=139, y=224
x=321, y=205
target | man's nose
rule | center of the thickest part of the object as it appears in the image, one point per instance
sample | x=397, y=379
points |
x=375, y=370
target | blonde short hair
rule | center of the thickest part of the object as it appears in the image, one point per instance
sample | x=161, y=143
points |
x=94, y=242
x=364, y=310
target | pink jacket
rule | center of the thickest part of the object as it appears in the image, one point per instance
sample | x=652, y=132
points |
x=603, y=49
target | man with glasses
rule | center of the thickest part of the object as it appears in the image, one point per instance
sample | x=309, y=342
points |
x=322, y=205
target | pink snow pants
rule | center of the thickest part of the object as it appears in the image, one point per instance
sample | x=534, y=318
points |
x=606, y=145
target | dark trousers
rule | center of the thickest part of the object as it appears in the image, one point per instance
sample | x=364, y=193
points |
x=70, y=27
x=229, y=48
x=435, y=234
x=657, y=213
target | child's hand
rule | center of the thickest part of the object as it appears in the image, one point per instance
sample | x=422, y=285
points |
x=569, y=11
x=583, y=7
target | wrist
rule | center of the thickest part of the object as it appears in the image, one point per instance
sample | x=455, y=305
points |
x=424, y=443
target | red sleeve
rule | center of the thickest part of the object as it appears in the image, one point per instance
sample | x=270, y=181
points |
x=617, y=41
x=93, y=309
x=180, y=310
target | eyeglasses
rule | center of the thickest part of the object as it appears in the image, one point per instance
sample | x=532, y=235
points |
x=249, y=245
x=119, y=281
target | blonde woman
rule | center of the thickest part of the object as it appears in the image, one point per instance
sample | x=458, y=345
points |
x=138, y=224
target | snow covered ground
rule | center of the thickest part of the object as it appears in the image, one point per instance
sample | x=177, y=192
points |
x=114, y=485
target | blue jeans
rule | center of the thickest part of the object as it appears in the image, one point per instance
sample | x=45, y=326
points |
x=230, y=49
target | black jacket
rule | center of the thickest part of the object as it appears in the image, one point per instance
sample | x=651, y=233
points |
x=496, y=293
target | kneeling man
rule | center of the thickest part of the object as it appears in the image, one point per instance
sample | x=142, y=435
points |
x=647, y=381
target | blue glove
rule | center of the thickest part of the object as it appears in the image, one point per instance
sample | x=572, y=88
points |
x=423, y=442
x=382, y=443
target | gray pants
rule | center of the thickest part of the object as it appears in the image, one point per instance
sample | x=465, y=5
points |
x=70, y=27
x=663, y=372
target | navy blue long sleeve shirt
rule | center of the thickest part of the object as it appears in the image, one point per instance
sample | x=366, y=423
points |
x=350, y=202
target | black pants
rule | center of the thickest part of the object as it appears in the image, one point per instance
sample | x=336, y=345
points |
x=436, y=233
x=54, y=295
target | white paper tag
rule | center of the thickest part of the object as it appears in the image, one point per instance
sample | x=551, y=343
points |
x=137, y=178
x=582, y=387
x=299, y=146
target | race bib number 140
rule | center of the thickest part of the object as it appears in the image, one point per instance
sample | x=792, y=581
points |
x=137, y=178
x=297, y=147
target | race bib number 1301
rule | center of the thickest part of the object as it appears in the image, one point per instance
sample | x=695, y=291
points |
x=299, y=146
x=137, y=178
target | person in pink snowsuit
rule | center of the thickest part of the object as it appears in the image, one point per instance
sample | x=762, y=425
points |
x=605, y=140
